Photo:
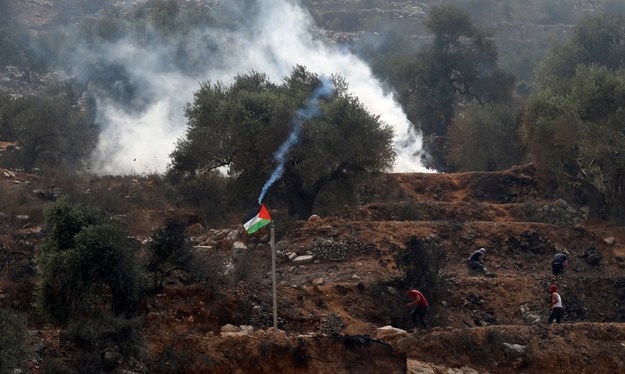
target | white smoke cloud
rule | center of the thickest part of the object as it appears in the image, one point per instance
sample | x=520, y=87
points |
x=272, y=41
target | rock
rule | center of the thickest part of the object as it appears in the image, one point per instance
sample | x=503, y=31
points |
x=418, y=367
x=386, y=331
x=514, y=350
x=282, y=246
x=232, y=236
x=238, y=248
x=324, y=229
x=314, y=218
x=195, y=229
x=262, y=246
x=229, y=328
x=562, y=203
x=281, y=257
x=248, y=329
x=202, y=248
x=594, y=259
x=305, y=259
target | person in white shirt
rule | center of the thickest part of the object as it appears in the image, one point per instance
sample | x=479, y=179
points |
x=557, y=309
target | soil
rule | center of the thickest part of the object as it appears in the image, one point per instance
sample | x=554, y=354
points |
x=344, y=311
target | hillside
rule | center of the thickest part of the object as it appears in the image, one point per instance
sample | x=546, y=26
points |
x=339, y=274
x=341, y=310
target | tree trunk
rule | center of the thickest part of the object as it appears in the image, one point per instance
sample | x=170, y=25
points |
x=302, y=199
x=301, y=202
x=617, y=203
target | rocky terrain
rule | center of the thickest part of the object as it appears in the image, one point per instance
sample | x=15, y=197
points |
x=340, y=309
x=339, y=277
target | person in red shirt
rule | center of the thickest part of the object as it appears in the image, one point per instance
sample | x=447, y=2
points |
x=420, y=305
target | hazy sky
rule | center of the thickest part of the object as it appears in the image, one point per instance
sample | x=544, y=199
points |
x=272, y=40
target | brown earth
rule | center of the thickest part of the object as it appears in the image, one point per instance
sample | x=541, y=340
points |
x=342, y=312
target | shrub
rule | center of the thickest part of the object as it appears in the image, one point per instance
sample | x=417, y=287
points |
x=208, y=269
x=13, y=341
x=171, y=250
x=107, y=333
x=83, y=255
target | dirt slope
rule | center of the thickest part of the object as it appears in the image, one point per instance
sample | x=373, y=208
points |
x=484, y=324
x=341, y=312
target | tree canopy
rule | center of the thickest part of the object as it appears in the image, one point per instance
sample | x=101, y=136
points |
x=84, y=255
x=242, y=125
x=52, y=129
x=459, y=66
x=486, y=138
x=575, y=119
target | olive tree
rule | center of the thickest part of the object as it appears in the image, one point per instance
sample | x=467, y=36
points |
x=486, y=138
x=52, y=129
x=574, y=119
x=241, y=126
x=458, y=67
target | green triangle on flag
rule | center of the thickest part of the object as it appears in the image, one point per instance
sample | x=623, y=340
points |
x=256, y=219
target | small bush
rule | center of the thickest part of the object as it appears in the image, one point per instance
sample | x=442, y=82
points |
x=170, y=250
x=527, y=211
x=13, y=341
x=107, y=333
x=208, y=269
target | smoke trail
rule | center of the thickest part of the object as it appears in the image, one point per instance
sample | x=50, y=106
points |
x=310, y=111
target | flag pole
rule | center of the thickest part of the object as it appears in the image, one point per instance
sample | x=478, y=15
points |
x=273, y=276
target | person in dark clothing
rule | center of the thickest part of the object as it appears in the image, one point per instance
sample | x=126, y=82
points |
x=559, y=263
x=420, y=305
x=476, y=260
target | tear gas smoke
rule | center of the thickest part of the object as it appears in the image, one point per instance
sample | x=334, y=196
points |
x=310, y=111
x=272, y=38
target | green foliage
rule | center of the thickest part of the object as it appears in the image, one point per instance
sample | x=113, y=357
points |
x=206, y=192
x=460, y=66
x=64, y=220
x=242, y=125
x=13, y=342
x=83, y=261
x=574, y=119
x=51, y=129
x=486, y=139
x=107, y=333
x=170, y=248
x=596, y=39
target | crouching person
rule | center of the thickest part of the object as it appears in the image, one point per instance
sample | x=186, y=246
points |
x=420, y=307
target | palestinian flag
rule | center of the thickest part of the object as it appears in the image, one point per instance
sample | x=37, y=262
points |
x=256, y=219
